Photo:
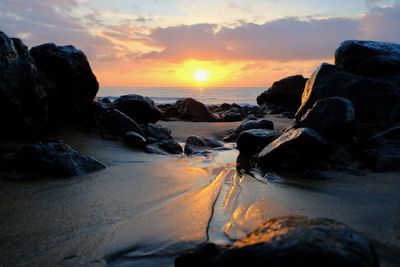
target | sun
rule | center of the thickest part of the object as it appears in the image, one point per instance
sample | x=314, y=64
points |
x=201, y=75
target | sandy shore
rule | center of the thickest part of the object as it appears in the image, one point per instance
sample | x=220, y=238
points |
x=144, y=209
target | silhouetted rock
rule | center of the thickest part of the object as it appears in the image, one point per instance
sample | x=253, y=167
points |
x=139, y=108
x=115, y=123
x=376, y=101
x=55, y=159
x=195, y=144
x=231, y=115
x=253, y=141
x=284, y=95
x=368, y=57
x=135, y=140
x=171, y=146
x=23, y=92
x=159, y=132
x=193, y=110
x=248, y=125
x=383, y=152
x=74, y=86
x=332, y=115
x=297, y=149
x=286, y=242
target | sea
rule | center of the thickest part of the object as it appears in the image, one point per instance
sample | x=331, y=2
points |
x=208, y=96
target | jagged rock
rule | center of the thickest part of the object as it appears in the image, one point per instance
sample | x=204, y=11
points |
x=368, y=57
x=289, y=241
x=135, y=140
x=376, y=101
x=297, y=149
x=285, y=93
x=195, y=144
x=23, y=92
x=248, y=125
x=383, y=152
x=331, y=115
x=74, y=86
x=55, y=159
x=251, y=142
x=159, y=132
x=193, y=110
x=115, y=123
x=139, y=108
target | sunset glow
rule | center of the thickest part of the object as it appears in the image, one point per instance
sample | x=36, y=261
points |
x=201, y=75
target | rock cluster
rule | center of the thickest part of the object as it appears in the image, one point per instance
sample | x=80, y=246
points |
x=348, y=112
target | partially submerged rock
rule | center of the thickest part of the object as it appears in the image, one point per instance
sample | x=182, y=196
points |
x=248, y=125
x=286, y=242
x=331, y=115
x=139, y=108
x=297, y=149
x=193, y=110
x=55, y=159
x=368, y=57
x=195, y=144
x=285, y=93
x=251, y=142
x=164, y=147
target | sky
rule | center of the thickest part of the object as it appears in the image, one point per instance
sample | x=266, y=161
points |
x=240, y=43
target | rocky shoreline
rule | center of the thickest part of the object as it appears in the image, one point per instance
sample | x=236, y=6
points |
x=346, y=118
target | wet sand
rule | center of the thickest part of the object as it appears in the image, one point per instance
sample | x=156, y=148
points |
x=144, y=209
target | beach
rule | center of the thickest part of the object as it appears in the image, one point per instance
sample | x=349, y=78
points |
x=143, y=210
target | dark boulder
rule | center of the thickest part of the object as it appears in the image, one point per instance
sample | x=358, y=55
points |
x=74, y=86
x=115, y=123
x=195, y=144
x=296, y=149
x=251, y=142
x=286, y=242
x=159, y=132
x=376, y=101
x=193, y=110
x=248, y=125
x=23, y=92
x=135, y=140
x=171, y=146
x=368, y=58
x=285, y=93
x=231, y=115
x=331, y=115
x=383, y=151
x=139, y=108
x=55, y=159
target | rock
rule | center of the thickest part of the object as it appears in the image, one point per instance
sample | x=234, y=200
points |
x=285, y=93
x=115, y=123
x=139, y=108
x=289, y=241
x=231, y=115
x=23, y=92
x=383, y=152
x=297, y=149
x=287, y=115
x=251, y=142
x=171, y=146
x=195, y=144
x=55, y=159
x=135, y=140
x=159, y=132
x=368, y=58
x=248, y=125
x=331, y=115
x=375, y=100
x=74, y=84
x=193, y=110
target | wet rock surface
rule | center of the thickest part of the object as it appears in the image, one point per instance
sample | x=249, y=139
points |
x=253, y=141
x=115, y=123
x=289, y=241
x=248, y=125
x=134, y=140
x=55, y=159
x=158, y=132
x=193, y=110
x=195, y=144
